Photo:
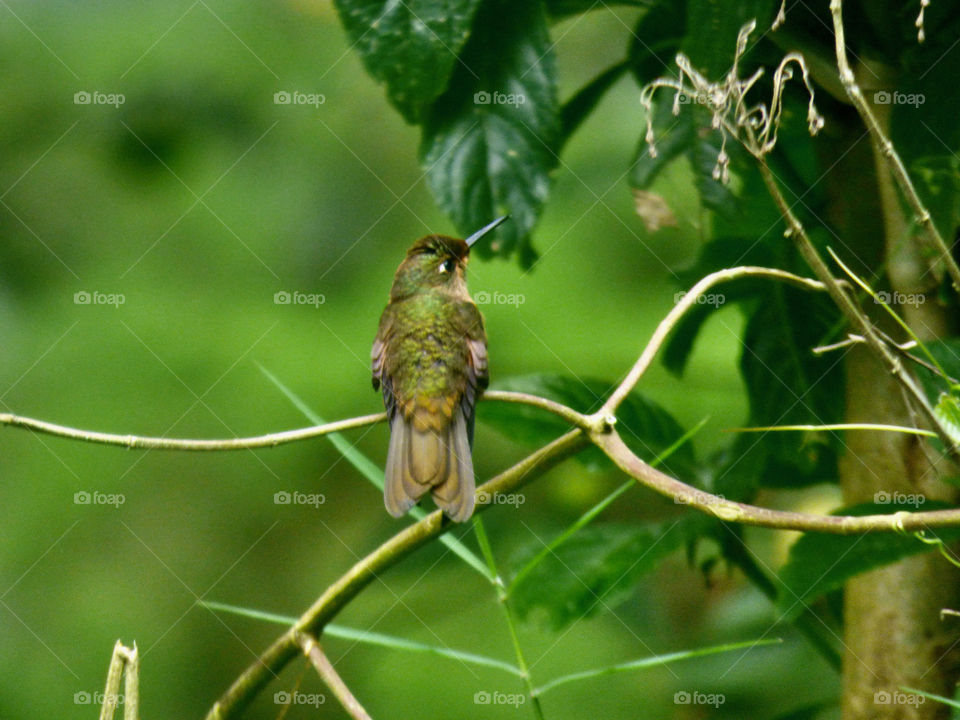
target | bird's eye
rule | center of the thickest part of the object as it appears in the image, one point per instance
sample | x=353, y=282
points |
x=447, y=265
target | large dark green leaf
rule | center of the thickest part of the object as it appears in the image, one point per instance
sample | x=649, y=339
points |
x=820, y=562
x=656, y=39
x=490, y=141
x=594, y=571
x=788, y=385
x=561, y=8
x=947, y=353
x=673, y=137
x=938, y=183
x=715, y=194
x=713, y=28
x=412, y=46
x=645, y=427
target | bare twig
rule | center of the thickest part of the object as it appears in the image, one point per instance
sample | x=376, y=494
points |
x=850, y=310
x=261, y=441
x=689, y=300
x=321, y=663
x=745, y=514
x=922, y=217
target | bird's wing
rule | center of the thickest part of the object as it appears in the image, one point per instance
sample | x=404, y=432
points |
x=378, y=356
x=477, y=375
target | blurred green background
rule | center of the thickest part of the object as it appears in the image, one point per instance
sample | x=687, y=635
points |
x=198, y=198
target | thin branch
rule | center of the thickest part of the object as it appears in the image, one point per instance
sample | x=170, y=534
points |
x=262, y=441
x=162, y=443
x=922, y=216
x=847, y=306
x=311, y=648
x=836, y=426
x=731, y=511
x=348, y=586
x=570, y=415
x=688, y=301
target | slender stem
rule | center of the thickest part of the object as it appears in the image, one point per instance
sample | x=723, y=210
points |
x=849, y=309
x=162, y=443
x=887, y=151
x=504, y=602
x=321, y=663
x=730, y=511
x=262, y=441
x=688, y=301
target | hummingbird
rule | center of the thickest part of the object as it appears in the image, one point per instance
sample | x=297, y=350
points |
x=429, y=360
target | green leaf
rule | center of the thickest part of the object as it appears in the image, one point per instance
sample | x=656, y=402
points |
x=656, y=39
x=646, y=428
x=655, y=661
x=562, y=8
x=788, y=385
x=491, y=140
x=947, y=354
x=673, y=136
x=820, y=562
x=947, y=411
x=713, y=28
x=676, y=136
x=938, y=184
x=594, y=570
x=412, y=46
x=715, y=195
x=591, y=514
x=369, y=638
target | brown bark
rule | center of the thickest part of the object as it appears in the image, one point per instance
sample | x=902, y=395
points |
x=893, y=633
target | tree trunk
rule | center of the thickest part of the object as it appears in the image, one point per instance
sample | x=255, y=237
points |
x=893, y=635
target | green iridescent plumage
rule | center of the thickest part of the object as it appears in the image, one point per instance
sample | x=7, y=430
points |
x=430, y=361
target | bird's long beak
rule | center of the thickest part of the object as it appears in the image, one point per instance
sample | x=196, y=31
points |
x=484, y=230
